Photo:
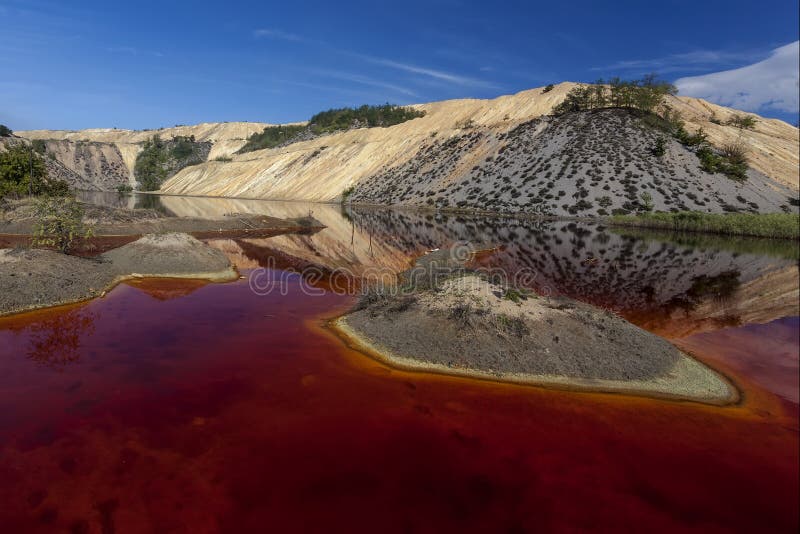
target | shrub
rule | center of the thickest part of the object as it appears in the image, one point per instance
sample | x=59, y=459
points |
x=16, y=164
x=346, y=193
x=223, y=159
x=39, y=146
x=647, y=201
x=5, y=131
x=690, y=140
x=124, y=188
x=660, y=147
x=271, y=137
x=549, y=87
x=744, y=122
x=59, y=223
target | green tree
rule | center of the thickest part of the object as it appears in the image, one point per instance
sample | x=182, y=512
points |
x=150, y=168
x=647, y=201
x=59, y=223
x=15, y=171
x=5, y=131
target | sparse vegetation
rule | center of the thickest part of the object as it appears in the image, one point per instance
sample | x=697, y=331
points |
x=646, y=94
x=223, y=159
x=17, y=163
x=330, y=121
x=772, y=225
x=59, y=223
x=346, y=193
x=160, y=159
x=744, y=122
x=660, y=147
x=272, y=136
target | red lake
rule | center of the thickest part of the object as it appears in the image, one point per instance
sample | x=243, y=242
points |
x=179, y=406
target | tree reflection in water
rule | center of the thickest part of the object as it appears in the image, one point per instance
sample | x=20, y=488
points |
x=55, y=342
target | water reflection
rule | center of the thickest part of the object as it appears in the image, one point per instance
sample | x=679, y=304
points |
x=673, y=285
x=56, y=341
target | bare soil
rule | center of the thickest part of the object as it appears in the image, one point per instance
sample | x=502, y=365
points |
x=17, y=218
x=467, y=325
x=31, y=278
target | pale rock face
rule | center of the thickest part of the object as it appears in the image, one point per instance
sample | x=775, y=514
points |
x=322, y=168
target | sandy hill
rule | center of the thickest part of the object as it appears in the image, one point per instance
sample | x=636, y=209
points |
x=322, y=169
x=105, y=156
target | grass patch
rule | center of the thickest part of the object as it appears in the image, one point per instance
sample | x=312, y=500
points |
x=333, y=120
x=770, y=225
x=775, y=248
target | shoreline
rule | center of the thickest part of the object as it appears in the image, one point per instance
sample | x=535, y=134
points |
x=214, y=277
x=35, y=278
x=654, y=389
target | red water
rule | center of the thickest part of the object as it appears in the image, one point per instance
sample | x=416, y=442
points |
x=182, y=407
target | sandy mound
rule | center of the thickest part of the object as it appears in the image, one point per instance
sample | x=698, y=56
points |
x=31, y=279
x=168, y=255
x=471, y=326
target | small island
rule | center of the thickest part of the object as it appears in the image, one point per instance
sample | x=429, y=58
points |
x=467, y=325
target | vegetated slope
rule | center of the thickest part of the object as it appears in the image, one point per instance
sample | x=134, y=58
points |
x=54, y=168
x=225, y=138
x=160, y=159
x=585, y=163
x=322, y=169
x=93, y=165
x=331, y=121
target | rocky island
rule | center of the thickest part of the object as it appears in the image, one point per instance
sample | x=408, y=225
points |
x=468, y=325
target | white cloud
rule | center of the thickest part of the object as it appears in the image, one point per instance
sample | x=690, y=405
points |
x=439, y=75
x=769, y=84
x=277, y=34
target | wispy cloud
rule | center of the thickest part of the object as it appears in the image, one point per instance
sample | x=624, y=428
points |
x=270, y=33
x=694, y=60
x=435, y=74
x=440, y=75
x=773, y=83
x=365, y=80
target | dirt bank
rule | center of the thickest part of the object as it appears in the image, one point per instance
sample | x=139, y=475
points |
x=470, y=326
x=31, y=278
x=17, y=218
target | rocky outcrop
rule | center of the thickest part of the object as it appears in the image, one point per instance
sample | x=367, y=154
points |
x=104, y=158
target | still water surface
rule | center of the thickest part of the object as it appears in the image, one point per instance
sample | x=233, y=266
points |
x=190, y=407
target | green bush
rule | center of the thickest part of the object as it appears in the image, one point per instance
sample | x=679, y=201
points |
x=647, y=94
x=660, y=147
x=59, y=223
x=5, y=131
x=15, y=173
x=333, y=120
x=271, y=137
x=364, y=116
x=160, y=159
x=39, y=146
x=548, y=88
x=744, y=122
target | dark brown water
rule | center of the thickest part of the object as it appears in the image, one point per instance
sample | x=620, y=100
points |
x=176, y=406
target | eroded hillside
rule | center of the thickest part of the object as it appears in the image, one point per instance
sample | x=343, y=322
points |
x=104, y=158
x=322, y=169
x=587, y=163
x=434, y=159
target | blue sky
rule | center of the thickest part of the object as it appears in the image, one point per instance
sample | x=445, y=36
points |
x=145, y=64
